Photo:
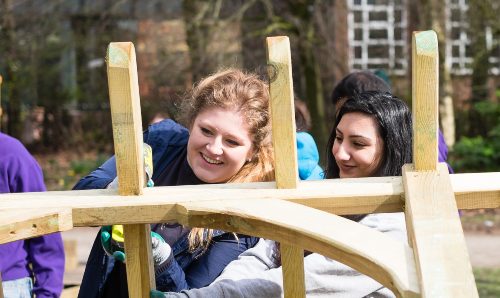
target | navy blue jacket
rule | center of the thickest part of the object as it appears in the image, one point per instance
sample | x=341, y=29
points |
x=104, y=277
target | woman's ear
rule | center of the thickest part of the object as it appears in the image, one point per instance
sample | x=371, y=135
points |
x=252, y=154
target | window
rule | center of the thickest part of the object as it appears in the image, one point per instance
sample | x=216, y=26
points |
x=377, y=35
x=458, y=44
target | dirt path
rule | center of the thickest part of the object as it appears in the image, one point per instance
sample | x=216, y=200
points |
x=484, y=249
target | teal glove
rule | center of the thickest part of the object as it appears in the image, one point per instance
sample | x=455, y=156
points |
x=157, y=294
x=112, y=241
x=113, y=244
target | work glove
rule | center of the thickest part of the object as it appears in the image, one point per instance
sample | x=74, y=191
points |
x=148, y=168
x=112, y=236
x=113, y=244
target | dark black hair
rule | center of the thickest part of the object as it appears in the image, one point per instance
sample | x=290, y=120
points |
x=302, y=115
x=358, y=82
x=395, y=127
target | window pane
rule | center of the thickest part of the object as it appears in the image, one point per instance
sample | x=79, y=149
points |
x=398, y=16
x=468, y=51
x=378, y=34
x=358, y=34
x=377, y=15
x=358, y=52
x=455, y=15
x=399, y=51
x=455, y=33
x=398, y=34
x=378, y=51
x=358, y=17
x=378, y=66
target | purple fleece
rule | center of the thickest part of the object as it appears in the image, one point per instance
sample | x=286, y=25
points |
x=19, y=172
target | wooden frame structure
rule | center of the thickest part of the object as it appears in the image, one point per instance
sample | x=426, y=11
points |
x=434, y=264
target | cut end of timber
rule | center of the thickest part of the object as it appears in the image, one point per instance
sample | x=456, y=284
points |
x=426, y=43
x=119, y=54
x=275, y=39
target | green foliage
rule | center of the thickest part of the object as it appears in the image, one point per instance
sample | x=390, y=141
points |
x=488, y=282
x=478, y=153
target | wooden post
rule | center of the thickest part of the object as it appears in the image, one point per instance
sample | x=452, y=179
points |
x=285, y=151
x=434, y=228
x=127, y=135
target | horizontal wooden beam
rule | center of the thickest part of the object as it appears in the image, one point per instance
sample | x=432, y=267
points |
x=27, y=223
x=370, y=252
x=338, y=196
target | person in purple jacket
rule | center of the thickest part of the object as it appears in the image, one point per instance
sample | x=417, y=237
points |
x=34, y=266
x=361, y=81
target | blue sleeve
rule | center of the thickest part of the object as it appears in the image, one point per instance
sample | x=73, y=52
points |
x=162, y=137
x=100, y=178
x=172, y=279
x=206, y=268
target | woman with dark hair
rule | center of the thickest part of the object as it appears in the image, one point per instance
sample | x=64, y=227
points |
x=392, y=118
x=372, y=137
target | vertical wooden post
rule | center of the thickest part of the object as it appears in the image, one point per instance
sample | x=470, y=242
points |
x=127, y=135
x=285, y=150
x=434, y=229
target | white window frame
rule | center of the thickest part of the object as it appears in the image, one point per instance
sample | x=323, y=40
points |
x=462, y=60
x=365, y=25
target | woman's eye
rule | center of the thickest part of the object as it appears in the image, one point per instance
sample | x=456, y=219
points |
x=338, y=139
x=232, y=142
x=359, y=145
x=206, y=131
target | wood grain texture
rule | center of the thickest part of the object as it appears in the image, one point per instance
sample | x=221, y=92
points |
x=138, y=255
x=436, y=235
x=338, y=196
x=282, y=110
x=27, y=223
x=127, y=136
x=126, y=117
x=425, y=100
x=285, y=150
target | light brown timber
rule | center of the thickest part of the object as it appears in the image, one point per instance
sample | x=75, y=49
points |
x=436, y=235
x=285, y=151
x=425, y=99
x=127, y=136
x=27, y=223
x=338, y=196
x=433, y=225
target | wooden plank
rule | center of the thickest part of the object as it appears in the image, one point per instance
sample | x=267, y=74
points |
x=433, y=224
x=338, y=196
x=435, y=232
x=282, y=111
x=127, y=135
x=27, y=223
x=425, y=100
x=293, y=270
x=285, y=150
x=378, y=255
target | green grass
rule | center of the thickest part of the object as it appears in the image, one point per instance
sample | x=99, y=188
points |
x=488, y=282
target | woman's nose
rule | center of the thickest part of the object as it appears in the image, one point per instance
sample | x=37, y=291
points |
x=215, y=146
x=341, y=153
